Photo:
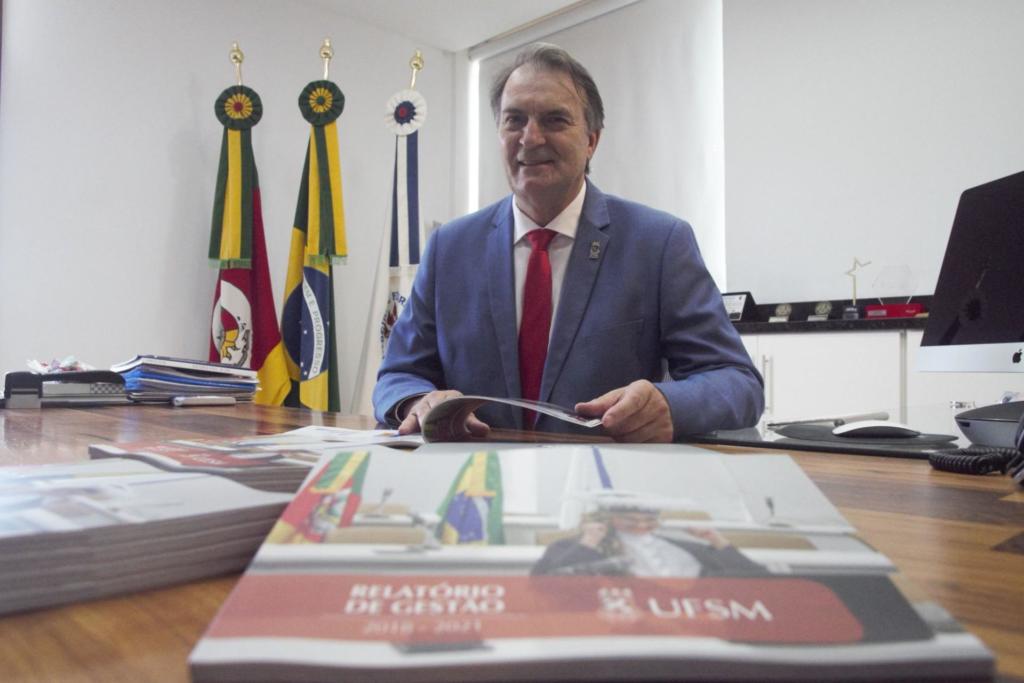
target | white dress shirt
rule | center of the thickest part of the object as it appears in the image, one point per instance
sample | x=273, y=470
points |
x=651, y=555
x=565, y=225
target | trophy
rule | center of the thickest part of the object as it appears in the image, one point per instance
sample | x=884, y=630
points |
x=898, y=282
x=851, y=312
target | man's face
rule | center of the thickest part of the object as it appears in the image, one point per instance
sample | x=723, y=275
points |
x=635, y=522
x=544, y=139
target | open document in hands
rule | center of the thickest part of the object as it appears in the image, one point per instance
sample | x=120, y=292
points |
x=445, y=420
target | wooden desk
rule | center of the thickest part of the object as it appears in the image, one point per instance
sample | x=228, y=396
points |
x=959, y=539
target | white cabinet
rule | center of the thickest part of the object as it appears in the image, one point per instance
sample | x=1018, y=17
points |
x=811, y=374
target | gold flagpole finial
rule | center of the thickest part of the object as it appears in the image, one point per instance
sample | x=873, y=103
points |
x=237, y=57
x=326, y=53
x=417, y=64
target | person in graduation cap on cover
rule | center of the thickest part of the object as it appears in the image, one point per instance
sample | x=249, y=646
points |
x=623, y=537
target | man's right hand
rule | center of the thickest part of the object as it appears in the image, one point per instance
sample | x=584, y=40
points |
x=412, y=421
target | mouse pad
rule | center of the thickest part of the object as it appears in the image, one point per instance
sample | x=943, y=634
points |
x=824, y=433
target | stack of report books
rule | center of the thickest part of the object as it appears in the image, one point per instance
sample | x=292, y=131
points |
x=86, y=530
x=270, y=462
x=148, y=514
x=159, y=379
x=573, y=562
x=252, y=462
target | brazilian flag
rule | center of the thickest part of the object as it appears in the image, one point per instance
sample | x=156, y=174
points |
x=318, y=238
x=472, y=512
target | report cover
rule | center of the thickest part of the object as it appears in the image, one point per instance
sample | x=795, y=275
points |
x=567, y=562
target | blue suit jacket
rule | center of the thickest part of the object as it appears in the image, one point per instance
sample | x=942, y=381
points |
x=636, y=300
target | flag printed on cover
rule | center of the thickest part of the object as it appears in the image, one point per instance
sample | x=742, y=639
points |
x=318, y=238
x=405, y=112
x=329, y=501
x=243, y=326
x=587, y=473
x=472, y=510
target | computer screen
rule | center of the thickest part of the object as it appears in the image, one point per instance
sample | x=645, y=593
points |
x=976, y=321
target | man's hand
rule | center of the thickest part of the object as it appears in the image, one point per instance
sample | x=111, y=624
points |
x=637, y=413
x=592, y=533
x=710, y=535
x=412, y=421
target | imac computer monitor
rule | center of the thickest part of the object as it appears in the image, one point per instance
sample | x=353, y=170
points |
x=976, y=321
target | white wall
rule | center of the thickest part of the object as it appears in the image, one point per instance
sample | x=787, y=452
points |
x=658, y=65
x=109, y=149
x=852, y=127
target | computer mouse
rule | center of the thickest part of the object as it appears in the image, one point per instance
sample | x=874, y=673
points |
x=875, y=429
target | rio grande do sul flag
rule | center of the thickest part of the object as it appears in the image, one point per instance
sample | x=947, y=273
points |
x=243, y=326
x=318, y=237
x=329, y=500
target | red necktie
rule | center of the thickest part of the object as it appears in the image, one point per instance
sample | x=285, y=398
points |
x=535, y=325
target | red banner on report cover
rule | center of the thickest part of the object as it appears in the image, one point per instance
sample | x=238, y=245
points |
x=423, y=609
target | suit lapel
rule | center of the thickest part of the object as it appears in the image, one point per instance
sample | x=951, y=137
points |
x=591, y=240
x=501, y=289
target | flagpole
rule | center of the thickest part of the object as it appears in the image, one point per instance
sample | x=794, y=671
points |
x=326, y=54
x=237, y=57
x=416, y=64
x=359, y=394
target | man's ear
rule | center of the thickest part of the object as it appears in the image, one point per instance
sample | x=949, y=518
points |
x=592, y=139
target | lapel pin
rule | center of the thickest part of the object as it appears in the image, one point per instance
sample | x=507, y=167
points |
x=595, y=251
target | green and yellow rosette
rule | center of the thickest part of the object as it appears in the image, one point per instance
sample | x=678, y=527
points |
x=238, y=108
x=321, y=103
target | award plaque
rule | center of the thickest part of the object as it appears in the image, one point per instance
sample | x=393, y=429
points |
x=740, y=306
x=782, y=313
x=822, y=310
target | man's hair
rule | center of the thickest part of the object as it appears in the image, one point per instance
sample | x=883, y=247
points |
x=553, y=58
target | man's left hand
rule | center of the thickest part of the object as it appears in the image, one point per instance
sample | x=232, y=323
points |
x=638, y=413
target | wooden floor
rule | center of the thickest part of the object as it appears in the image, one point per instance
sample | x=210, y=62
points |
x=959, y=541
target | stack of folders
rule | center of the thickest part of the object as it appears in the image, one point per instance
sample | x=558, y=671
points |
x=157, y=379
x=79, y=531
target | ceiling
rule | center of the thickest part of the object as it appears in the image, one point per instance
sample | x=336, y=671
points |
x=450, y=24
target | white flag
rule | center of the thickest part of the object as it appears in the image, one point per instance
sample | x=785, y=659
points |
x=399, y=253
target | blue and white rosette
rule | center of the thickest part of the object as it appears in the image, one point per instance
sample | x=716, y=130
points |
x=406, y=111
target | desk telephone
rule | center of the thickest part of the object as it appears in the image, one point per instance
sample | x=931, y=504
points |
x=24, y=389
x=985, y=459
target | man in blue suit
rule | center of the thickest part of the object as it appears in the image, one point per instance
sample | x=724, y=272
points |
x=635, y=328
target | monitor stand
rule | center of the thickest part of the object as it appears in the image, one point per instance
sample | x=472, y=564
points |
x=994, y=425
